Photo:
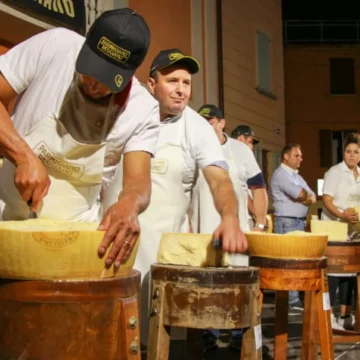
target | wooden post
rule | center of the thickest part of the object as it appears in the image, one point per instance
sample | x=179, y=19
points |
x=281, y=319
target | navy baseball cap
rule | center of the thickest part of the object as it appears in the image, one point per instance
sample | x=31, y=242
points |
x=210, y=111
x=115, y=46
x=169, y=57
x=245, y=130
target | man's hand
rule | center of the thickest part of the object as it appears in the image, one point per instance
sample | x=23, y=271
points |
x=122, y=228
x=32, y=180
x=350, y=216
x=232, y=238
x=121, y=220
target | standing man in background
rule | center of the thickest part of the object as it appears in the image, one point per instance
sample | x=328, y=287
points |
x=291, y=198
x=245, y=174
x=246, y=135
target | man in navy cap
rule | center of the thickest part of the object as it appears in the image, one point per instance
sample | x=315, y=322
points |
x=245, y=134
x=79, y=109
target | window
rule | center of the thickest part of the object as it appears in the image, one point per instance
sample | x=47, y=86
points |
x=264, y=64
x=331, y=146
x=342, y=76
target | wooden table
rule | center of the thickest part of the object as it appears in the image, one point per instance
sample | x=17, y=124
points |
x=77, y=320
x=308, y=275
x=344, y=258
x=203, y=298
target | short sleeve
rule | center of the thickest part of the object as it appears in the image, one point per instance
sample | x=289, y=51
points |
x=251, y=166
x=208, y=147
x=331, y=182
x=21, y=64
x=146, y=134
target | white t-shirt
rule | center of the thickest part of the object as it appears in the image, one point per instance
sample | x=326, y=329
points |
x=200, y=148
x=42, y=68
x=199, y=143
x=340, y=183
x=243, y=157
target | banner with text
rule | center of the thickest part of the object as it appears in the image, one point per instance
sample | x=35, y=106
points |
x=66, y=13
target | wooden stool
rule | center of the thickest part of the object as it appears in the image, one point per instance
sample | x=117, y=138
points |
x=63, y=320
x=204, y=298
x=344, y=258
x=283, y=275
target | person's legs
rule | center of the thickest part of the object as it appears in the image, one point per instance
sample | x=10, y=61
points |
x=346, y=288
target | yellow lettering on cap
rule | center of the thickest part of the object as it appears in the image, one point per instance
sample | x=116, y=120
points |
x=118, y=80
x=175, y=56
x=113, y=51
x=204, y=111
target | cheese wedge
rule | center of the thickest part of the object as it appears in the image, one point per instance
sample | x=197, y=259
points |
x=190, y=249
x=336, y=230
x=293, y=245
x=52, y=249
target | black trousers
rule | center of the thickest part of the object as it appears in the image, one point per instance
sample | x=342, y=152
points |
x=347, y=287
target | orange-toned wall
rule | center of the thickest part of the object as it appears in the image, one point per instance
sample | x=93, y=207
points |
x=243, y=104
x=309, y=104
x=170, y=25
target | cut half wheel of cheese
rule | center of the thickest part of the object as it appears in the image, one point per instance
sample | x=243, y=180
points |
x=336, y=230
x=293, y=245
x=52, y=249
x=190, y=249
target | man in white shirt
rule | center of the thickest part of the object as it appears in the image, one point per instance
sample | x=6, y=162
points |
x=245, y=174
x=186, y=144
x=246, y=135
x=79, y=109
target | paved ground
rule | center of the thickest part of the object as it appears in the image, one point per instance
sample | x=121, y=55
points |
x=342, y=351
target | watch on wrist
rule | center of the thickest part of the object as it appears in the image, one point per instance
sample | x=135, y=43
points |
x=261, y=226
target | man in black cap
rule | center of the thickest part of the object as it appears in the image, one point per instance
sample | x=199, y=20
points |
x=79, y=109
x=245, y=174
x=245, y=134
x=186, y=144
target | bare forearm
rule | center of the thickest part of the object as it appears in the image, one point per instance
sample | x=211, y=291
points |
x=224, y=198
x=136, y=193
x=12, y=146
x=251, y=205
x=309, y=200
x=329, y=205
x=260, y=204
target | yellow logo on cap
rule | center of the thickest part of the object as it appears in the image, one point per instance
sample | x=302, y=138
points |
x=204, y=111
x=118, y=80
x=175, y=56
x=113, y=51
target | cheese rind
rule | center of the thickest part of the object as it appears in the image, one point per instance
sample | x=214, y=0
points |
x=51, y=249
x=335, y=230
x=295, y=245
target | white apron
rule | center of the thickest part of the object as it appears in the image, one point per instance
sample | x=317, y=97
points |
x=75, y=170
x=350, y=197
x=204, y=216
x=165, y=213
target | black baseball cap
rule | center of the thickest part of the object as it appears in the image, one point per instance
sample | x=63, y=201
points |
x=166, y=58
x=210, y=111
x=245, y=130
x=115, y=47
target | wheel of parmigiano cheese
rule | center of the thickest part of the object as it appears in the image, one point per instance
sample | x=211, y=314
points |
x=293, y=245
x=52, y=249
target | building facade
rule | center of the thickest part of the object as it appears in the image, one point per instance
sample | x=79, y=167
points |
x=238, y=44
x=322, y=83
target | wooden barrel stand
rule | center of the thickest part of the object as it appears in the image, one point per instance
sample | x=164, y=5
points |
x=203, y=298
x=70, y=320
x=283, y=275
x=344, y=258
